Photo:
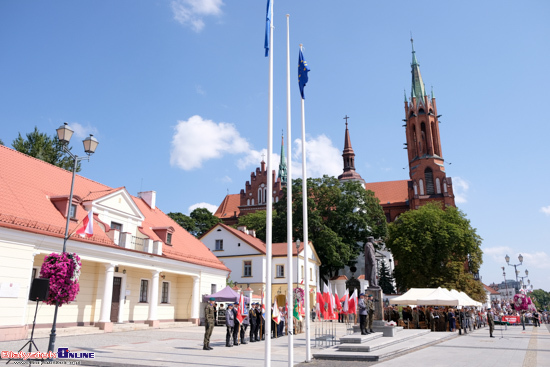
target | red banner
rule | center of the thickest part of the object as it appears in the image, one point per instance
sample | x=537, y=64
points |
x=511, y=319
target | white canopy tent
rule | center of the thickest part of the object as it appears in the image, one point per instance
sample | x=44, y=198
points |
x=411, y=296
x=464, y=299
x=434, y=297
x=439, y=297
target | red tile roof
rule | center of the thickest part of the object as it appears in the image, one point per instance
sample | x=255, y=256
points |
x=229, y=206
x=490, y=290
x=390, y=191
x=251, y=240
x=280, y=249
x=26, y=185
x=339, y=277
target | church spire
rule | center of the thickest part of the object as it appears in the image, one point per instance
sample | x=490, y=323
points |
x=417, y=86
x=349, y=173
x=282, y=163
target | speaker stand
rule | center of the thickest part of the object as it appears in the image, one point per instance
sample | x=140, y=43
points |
x=31, y=342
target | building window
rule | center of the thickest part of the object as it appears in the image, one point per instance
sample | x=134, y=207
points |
x=428, y=174
x=310, y=274
x=280, y=271
x=421, y=184
x=247, y=270
x=169, y=238
x=302, y=272
x=72, y=211
x=165, y=292
x=143, y=290
x=213, y=288
x=219, y=245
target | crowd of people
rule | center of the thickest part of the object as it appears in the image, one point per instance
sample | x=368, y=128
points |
x=251, y=319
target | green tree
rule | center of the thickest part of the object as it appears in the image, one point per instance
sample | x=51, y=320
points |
x=257, y=222
x=197, y=223
x=434, y=248
x=42, y=146
x=541, y=299
x=1, y=142
x=385, y=279
x=340, y=217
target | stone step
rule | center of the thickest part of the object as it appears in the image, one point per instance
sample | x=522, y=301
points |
x=73, y=330
x=357, y=338
x=382, y=343
x=129, y=327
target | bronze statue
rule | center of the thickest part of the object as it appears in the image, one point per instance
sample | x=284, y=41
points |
x=370, y=263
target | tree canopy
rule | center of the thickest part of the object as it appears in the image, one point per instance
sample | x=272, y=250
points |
x=42, y=146
x=385, y=279
x=541, y=299
x=340, y=217
x=257, y=222
x=197, y=223
x=434, y=248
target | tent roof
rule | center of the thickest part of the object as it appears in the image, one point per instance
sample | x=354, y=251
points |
x=439, y=297
x=412, y=295
x=225, y=295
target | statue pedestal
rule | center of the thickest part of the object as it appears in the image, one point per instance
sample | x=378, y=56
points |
x=378, y=304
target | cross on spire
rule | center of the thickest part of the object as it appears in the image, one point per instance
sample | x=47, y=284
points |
x=346, y=118
x=263, y=155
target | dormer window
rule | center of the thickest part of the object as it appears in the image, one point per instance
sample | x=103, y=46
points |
x=169, y=238
x=164, y=233
x=72, y=211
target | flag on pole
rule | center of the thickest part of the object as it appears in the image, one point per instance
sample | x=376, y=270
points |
x=352, y=302
x=345, y=306
x=302, y=73
x=263, y=307
x=275, y=314
x=267, y=28
x=87, y=229
x=240, y=310
x=337, y=300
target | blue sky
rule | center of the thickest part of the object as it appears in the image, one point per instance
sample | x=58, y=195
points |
x=176, y=93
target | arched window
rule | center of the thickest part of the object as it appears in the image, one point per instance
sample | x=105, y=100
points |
x=252, y=202
x=260, y=195
x=247, y=201
x=421, y=184
x=415, y=146
x=265, y=196
x=444, y=186
x=428, y=174
x=434, y=139
x=423, y=142
x=415, y=189
x=421, y=111
x=276, y=199
x=437, y=186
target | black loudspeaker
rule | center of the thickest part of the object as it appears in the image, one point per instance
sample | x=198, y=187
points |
x=40, y=289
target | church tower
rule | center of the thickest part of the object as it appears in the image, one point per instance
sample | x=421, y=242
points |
x=349, y=173
x=429, y=181
x=282, y=163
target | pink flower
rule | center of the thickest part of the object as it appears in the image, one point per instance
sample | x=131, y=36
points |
x=63, y=271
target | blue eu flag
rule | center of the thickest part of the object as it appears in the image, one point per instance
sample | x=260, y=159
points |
x=267, y=28
x=302, y=73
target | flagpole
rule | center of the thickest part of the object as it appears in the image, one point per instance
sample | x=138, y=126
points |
x=305, y=225
x=289, y=247
x=269, y=208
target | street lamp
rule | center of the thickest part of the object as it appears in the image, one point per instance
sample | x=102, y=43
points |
x=64, y=134
x=505, y=283
x=526, y=275
x=520, y=258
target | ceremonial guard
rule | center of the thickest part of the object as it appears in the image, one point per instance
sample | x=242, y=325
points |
x=237, y=325
x=491, y=322
x=230, y=324
x=362, y=314
x=244, y=325
x=370, y=310
x=209, y=323
x=253, y=323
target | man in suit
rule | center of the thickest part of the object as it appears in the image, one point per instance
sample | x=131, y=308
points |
x=237, y=325
x=209, y=323
x=253, y=322
x=491, y=322
x=230, y=324
x=362, y=314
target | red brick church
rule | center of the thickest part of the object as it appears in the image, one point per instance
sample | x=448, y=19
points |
x=427, y=178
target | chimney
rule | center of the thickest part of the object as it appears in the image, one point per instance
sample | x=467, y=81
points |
x=242, y=229
x=150, y=197
x=252, y=232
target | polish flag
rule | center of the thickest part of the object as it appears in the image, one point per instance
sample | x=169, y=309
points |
x=345, y=306
x=275, y=312
x=352, y=302
x=240, y=311
x=337, y=300
x=87, y=229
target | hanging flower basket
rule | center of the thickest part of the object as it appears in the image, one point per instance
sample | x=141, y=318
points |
x=63, y=270
x=523, y=302
x=299, y=294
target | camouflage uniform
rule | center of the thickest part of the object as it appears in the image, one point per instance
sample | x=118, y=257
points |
x=209, y=325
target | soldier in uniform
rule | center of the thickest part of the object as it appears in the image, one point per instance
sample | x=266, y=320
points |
x=209, y=323
x=370, y=310
x=230, y=324
x=363, y=314
x=491, y=322
x=237, y=325
x=253, y=322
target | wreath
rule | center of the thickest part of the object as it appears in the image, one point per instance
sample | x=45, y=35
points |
x=63, y=271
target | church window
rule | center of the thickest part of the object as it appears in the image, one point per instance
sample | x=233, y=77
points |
x=423, y=143
x=421, y=184
x=260, y=195
x=421, y=111
x=276, y=199
x=437, y=186
x=428, y=174
x=415, y=152
x=434, y=139
x=445, y=186
x=252, y=202
x=415, y=189
x=265, y=195
x=247, y=201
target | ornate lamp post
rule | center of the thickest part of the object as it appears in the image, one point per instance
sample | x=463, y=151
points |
x=505, y=282
x=64, y=134
x=520, y=258
x=526, y=275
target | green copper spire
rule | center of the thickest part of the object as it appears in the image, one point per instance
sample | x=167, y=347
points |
x=282, y=164
x=405, y=93
x=417, y=87
x=433, y=95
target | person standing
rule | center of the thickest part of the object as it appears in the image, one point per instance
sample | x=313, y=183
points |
x=244, y=325
x=253, y=323
x=370, y=311
x=362, y=314
x=491, y=322
x=209, y=323
x=452, y=320
x=230, y=324
x=237, y=325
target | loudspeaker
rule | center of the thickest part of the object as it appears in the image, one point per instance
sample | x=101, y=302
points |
x=40, y=289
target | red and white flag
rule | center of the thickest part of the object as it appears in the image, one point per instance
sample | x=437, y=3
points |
x=87, y=229
x=275, y=313
x=345, y=306
x=352, y=302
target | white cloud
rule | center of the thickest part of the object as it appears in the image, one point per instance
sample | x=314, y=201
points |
x=497, y=253
x=253, y=158
x=191, y=12
x=538, y=260
x=545, y=210
x=197, y=140
x=460, y=188
x=226, y=179
x=81, y=131
x=322, y=158
x=210, y=207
